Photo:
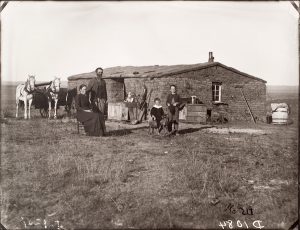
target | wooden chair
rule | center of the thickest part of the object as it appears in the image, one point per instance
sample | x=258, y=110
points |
x=79, y=124
x=79, y=127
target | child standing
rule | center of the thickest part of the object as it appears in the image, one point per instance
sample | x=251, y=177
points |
x=157, y=113
x=173, y=103
x=130, y=98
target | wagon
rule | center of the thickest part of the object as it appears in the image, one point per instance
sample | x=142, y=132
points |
x=40, y=100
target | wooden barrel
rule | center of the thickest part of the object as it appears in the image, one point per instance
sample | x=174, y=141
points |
x=280, y=113
x=117, y=111
x=280, y=117
x=196, y=113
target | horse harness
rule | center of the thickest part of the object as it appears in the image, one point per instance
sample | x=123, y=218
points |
x=51, y=92
x=27, y=89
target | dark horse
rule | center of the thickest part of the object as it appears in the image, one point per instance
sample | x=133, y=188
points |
x=70, y=100
x=66, y=98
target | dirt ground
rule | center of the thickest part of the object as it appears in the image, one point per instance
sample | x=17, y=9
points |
x=240, y=172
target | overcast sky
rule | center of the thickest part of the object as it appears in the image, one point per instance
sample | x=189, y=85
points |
x=65, y=38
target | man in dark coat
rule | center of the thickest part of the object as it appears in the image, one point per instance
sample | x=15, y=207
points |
x=173, y=103
x=96, y=90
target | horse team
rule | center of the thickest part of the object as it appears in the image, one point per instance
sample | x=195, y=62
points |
x=25, y=91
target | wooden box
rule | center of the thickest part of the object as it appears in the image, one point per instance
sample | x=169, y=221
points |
x=196, y=113
x=117, y=111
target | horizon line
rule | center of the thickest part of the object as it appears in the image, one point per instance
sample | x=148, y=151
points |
x=5, y=81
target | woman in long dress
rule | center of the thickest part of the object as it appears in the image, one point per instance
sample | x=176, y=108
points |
x=90, y=120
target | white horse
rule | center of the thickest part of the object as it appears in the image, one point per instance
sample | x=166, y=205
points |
x=24, y=92
x=52, y=94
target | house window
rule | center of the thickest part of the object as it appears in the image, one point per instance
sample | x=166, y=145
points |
x=216, y=91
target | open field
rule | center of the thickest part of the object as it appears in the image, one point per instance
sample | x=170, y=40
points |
x=128, y=179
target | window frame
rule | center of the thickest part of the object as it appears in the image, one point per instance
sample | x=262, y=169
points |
x=214, y=92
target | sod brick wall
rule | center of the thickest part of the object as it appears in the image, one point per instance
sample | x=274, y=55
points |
x=198, y=83
x=114, y=88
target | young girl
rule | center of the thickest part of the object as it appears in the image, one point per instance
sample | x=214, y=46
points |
x=157, y=113
x=131, y=104
x=130, y=98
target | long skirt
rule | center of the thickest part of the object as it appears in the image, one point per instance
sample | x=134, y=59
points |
x=92, y=122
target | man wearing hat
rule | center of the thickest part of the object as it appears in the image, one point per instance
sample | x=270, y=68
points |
x=96, y=90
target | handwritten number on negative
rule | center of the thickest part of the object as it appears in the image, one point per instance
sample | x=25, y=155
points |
x=222, y=225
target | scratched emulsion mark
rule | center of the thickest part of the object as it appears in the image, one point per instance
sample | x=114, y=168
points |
x=40, y=224
x=234, y=224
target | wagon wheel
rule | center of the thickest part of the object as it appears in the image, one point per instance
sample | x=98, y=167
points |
x=44, y=112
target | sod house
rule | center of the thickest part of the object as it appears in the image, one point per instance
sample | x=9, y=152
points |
x=222, y=89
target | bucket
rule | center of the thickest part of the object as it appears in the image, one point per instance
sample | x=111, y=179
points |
x=269, y=119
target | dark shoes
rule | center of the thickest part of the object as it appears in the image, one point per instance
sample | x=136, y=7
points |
x=174, y=132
